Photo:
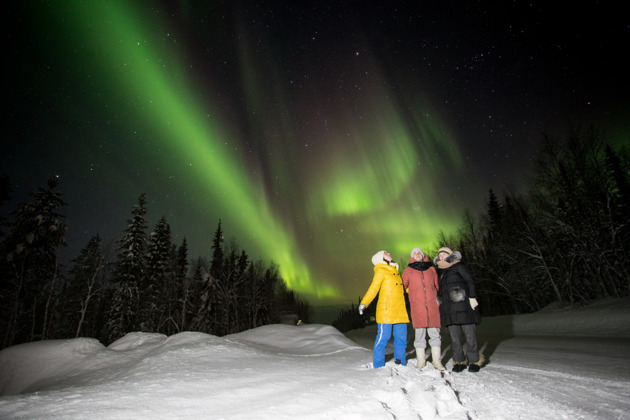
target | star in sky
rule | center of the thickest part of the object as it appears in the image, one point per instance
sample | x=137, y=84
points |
x=318, y=133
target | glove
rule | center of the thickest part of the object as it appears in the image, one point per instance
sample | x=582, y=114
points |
x=361, y=309
x=473, y=303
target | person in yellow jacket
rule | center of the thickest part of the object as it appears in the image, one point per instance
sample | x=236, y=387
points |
x=391, y=310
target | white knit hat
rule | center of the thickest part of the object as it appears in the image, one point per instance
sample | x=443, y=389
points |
x=378, y=257
x=413, y=251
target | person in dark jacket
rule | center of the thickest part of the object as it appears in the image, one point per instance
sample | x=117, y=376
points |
x=458, y=309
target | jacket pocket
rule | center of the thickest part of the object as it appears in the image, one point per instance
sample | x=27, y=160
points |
x=457, y=294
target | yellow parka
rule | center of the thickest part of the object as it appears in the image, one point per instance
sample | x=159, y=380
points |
x=387, y=283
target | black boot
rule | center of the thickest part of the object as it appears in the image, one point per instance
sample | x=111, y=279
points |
x=474, y=367
x=459, y=367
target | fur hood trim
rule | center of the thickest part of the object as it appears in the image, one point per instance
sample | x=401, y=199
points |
x=453, y=258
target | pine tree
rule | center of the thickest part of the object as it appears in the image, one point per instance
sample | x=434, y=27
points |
x=202, y=298
x=208, y=312
x=257, y=296
x=83, y=288
x=32, y=266
x=216, y=264
x=155, y=293
x=495, y=215
x=181, y=284
x=228, y=291
x=129, y=272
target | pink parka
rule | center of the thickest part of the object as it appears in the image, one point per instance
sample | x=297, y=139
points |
x=422, y=287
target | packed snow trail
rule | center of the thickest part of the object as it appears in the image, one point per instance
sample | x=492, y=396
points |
x=557, y=363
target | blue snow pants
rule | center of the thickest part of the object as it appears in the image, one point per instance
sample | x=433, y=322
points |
x=380, y=344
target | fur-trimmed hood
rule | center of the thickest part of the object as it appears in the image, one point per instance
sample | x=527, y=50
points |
x=453, y=258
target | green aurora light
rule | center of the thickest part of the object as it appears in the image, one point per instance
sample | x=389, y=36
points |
x=371, y=181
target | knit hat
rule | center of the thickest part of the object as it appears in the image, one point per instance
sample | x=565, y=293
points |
x=378, y=257
x=451, y=258
x=446, y=249
x=413, y=251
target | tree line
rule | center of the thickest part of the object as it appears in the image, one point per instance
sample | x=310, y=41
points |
x=563, y=241
x=149, y=285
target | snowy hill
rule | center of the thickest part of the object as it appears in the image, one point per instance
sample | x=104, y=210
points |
x=558, y=363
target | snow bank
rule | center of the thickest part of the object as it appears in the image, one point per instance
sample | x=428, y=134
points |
x=306, y=340
x=602, y=318
x=571, y=370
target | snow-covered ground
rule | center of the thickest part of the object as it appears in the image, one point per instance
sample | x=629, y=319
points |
x=555, y=364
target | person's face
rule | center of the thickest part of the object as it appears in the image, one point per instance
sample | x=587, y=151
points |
x=417, y=256
x=442, y=256
x=387, y=257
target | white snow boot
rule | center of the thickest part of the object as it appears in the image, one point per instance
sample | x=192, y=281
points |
x=436, y=355
x=421, y=358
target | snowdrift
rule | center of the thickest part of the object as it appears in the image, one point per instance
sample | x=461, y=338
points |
x=558, y=363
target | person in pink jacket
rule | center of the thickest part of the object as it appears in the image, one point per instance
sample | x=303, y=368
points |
x=421, y=282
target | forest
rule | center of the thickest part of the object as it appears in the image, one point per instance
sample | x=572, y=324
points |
x=564, y=240
x=150, y=285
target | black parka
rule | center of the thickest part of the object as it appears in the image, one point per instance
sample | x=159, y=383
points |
x=456, y=287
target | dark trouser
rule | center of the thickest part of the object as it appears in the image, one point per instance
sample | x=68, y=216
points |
x=471, y=343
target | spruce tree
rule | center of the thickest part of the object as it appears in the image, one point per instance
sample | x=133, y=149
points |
x=155, y=293
x=216, y=264
x=32, y=266
x=201, y=298
x=129, y=271
x=83, y=289
x=208, y=312
x=182, y=285
x=494, y=215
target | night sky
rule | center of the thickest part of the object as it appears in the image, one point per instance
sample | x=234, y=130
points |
x=318, y=132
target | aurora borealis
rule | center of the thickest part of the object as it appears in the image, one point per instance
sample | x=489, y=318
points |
x=318, y=134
